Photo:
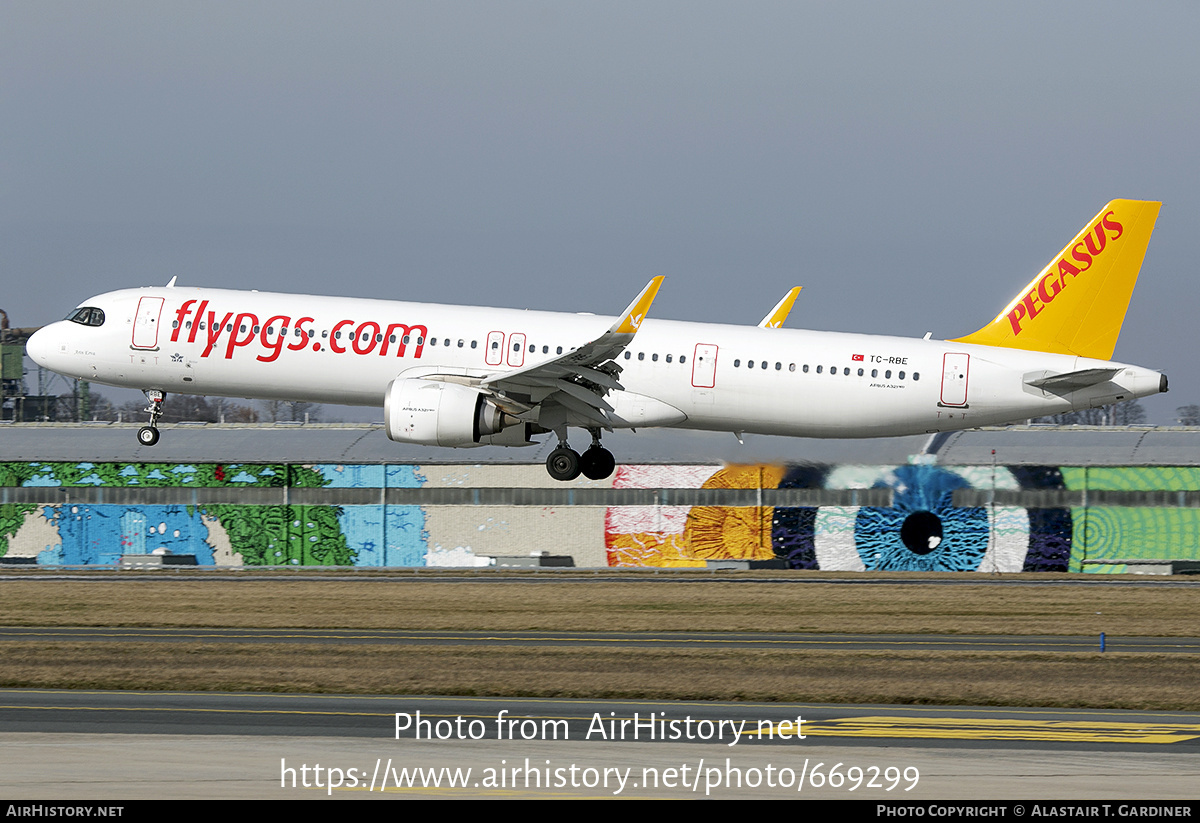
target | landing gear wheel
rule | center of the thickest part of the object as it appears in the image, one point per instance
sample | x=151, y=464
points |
x=597, y=463
x=563, y=463
x=148, y=435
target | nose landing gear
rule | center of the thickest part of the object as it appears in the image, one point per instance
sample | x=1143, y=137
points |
x=148, y=435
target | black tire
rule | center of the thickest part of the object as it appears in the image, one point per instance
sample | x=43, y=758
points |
x=563, y=464
x=147, y=435
x=597, y=463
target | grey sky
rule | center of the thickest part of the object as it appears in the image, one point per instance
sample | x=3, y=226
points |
x=910, y=164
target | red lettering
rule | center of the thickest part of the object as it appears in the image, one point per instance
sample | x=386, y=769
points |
x=301, y=334
x=180, y=313
x=1015, y=316
x=1055, y=288
x=1113, y=225
x=1101, y=238
x=333, y=336
x=1065, y=268
x=236, y=342
x=368, y=338
x=197, y=321
x=1031, y=305
x=214, y=331
x=394, y=327
x=275, y=346
x=1082, y=256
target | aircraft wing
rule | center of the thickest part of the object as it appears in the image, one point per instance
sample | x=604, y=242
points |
x=579, y=379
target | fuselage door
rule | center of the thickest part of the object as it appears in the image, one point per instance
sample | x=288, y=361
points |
x=494, y=355
x=704, y=366
x=516, y=349
x=954, y=378
x=145, y=323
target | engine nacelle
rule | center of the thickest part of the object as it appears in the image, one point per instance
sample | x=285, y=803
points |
x=434, y=413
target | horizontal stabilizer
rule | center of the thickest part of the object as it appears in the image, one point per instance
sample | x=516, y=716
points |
x=1072, y=381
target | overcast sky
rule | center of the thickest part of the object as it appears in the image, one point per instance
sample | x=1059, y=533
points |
x=912, y=165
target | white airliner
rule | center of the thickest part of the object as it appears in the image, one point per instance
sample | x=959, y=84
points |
x=466, y=376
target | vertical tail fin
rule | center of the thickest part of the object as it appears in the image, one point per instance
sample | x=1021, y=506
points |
x=1076, y=305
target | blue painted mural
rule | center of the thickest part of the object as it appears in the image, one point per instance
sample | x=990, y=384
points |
x=922, y=530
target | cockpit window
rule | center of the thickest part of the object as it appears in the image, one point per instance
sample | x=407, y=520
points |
x=87, y=316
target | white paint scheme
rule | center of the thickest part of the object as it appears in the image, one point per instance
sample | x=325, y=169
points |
x=712, y=389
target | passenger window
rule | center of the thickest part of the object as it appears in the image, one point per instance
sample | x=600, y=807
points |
x=819, y=369
x=887, y=374
x=668, y=358
x=916, y=375
x=654, y=357
x=846, y=371
x=737, y=363
x=474, y=344
x=805, y=369
x=901, y=375
x=682, y=358
x=628, y=355
x=559, y=350
x=860, y=372
x=778, y=366
x=641, y=355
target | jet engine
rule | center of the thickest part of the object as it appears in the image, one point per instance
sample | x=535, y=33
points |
x=435, y=413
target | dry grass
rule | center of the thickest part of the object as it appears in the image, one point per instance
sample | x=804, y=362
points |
x=1113, y=680
x=1132, y=681
x=695, y=605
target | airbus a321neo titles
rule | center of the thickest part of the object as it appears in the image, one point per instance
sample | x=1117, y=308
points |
x=466, y=376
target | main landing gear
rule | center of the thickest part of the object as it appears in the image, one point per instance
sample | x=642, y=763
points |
x=148, y=435
x=597, y=463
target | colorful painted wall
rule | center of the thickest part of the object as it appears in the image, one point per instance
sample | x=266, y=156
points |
x=922, y=529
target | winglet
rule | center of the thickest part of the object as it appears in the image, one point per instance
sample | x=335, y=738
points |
x=783, y=308
x=171, y=285
x=632, y=317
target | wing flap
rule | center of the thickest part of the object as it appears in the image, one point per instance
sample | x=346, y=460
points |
x=579, y=379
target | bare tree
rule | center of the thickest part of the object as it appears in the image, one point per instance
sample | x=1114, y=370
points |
x=1125, y=413
x=296, y=411
x=1188, y=415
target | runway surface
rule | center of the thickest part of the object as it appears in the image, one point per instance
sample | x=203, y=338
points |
x=643, y=640
x=76, y=744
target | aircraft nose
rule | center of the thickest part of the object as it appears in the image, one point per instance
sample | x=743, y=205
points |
x=41, y=346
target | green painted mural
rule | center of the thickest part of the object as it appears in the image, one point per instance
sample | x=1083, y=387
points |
x=262, y=516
